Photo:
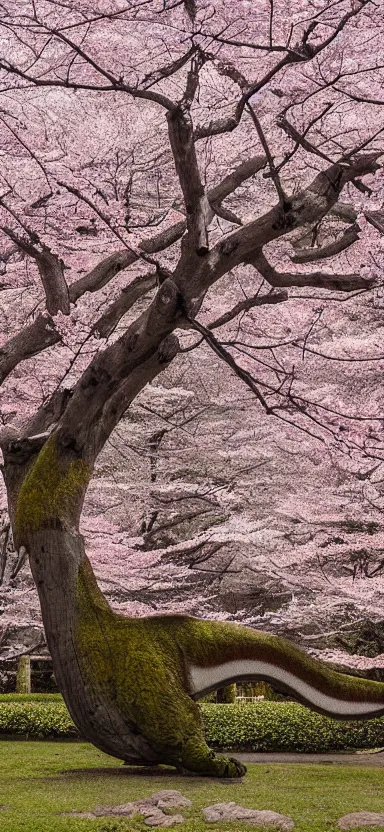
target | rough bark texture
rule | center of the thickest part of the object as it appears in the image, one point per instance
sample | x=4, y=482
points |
x=130, y=684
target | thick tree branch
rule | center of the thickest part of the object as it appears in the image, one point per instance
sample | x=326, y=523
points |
x=233, y=180
x=345, y=212
x=28, y=342
x=42, y=333
x=51, y=272
x=376, y=218
x=102, y=273
x=129, y=295
x=306, y=207
x=78, y=430
x=184, y=153
x=112, y=265
x=48, y=414
x=130, y=387
x=110, y=369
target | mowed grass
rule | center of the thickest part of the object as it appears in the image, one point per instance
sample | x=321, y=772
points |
x=40, y=780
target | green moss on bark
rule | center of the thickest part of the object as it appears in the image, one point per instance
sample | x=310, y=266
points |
x=50, y=490
x=141, y=666
x=138, y=666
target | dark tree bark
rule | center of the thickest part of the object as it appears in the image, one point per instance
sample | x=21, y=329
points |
x=131, y=684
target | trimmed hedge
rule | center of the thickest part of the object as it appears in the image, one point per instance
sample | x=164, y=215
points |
x=35, y=719
x=286, y=726
x=262, y=726
x=31, y=697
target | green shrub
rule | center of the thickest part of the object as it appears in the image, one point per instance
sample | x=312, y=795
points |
x=278, y=726
x=36, y=719
x=261, y=726
x=30, y=697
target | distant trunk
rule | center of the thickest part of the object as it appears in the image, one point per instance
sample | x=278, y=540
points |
x=226, y=695
x=23, y=677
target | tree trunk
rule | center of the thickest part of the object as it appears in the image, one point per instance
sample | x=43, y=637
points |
x=227, y=695
x=65, y=583
x=130, y=684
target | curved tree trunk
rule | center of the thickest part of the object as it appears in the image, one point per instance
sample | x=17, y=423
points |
x=130, y=684
x=123, y=680
x=63, y=576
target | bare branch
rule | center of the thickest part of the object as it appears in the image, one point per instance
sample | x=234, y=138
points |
x=246, y=305
x=168, y=70
x=306, y=255
x=228, y=358
x=300, y=139
x=362, y=99
x=114, y=83
x=115, y=86
x=273, y=171
x=376, y=218
x=226, y=125
x=334, y=282
x=300, y=53
x=104, y=217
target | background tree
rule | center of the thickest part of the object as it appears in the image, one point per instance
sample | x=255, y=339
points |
x=125, y=163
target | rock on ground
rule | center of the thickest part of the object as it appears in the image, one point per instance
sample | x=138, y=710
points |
x=231, y=811
x=151, y=808
x=357, y=820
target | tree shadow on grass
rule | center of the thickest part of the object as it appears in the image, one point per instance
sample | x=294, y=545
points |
x=142, y=771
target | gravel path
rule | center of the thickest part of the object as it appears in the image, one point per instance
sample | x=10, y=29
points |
x=359, y=759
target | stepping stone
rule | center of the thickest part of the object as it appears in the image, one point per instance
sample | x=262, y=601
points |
x=155, y=817
x=166, y=799
x=219, y=812
x=357, y=820
x=151, y=808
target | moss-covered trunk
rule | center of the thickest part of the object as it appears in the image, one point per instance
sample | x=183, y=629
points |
x=46, y=491
x=130, y=684
x=65, y=581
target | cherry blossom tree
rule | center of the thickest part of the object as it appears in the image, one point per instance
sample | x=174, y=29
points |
x=162, y=163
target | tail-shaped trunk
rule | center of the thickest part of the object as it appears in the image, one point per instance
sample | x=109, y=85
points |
x=225, y=653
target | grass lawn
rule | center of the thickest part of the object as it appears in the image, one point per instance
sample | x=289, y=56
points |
x=38, y=780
